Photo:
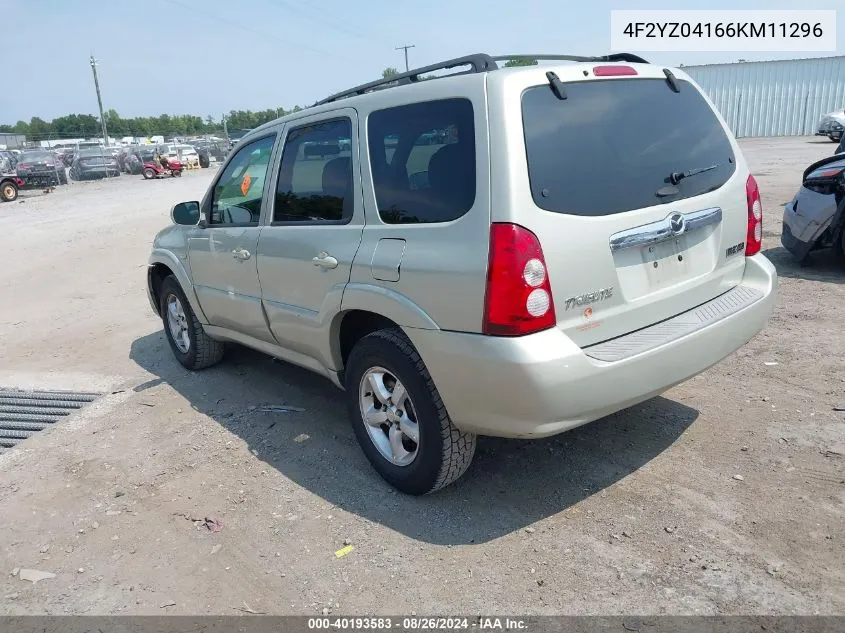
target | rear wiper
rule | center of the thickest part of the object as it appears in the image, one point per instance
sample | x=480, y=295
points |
x=677, y=176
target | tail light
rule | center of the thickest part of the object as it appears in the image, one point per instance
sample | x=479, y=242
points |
x=754, y=241
x=519, y=296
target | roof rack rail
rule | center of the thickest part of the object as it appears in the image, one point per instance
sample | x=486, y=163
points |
x=614, y=57
x=479, y=62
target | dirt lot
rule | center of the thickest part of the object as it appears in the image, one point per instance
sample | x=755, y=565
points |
x=638, y=513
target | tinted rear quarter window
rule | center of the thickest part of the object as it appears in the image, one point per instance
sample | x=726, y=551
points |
x=423, y=161
x=612, y=144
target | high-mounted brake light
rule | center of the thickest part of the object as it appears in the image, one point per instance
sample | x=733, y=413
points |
x=519, y=296
x=754, y=240
x=613, y=71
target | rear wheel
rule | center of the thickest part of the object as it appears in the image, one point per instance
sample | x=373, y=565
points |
x=399, y=418
x=149, y=173
x=190, y=344
x=8, y=191
x=177, y=174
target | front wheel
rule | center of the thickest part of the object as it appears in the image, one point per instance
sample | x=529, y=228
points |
x=149, y=174
x=399, y=418
x=9, y=191
x=177, y=174
x=190, y=344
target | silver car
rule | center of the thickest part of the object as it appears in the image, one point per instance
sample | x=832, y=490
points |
x=815, y=217
x=503, y=251
x=832, y=125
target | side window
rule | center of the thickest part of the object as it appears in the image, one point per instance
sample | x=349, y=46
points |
x=315, y=175
x=237, y=195
x=423, y=161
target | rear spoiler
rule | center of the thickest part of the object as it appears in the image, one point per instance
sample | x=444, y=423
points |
x=822, y=163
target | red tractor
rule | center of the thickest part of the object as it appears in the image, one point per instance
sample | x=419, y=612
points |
x=168, y=168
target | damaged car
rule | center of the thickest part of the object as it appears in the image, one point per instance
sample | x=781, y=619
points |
x=815, y=217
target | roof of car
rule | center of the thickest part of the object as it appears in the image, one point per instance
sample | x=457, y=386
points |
x=478, y=63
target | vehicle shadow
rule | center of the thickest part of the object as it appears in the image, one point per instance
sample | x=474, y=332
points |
x=510, y=485
x=821, y=265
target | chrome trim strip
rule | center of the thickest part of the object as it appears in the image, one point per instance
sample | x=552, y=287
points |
x=663, y=230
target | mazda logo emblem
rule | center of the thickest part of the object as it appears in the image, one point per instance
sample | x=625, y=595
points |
x=677, y=223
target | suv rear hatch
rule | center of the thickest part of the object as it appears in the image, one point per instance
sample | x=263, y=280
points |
x=631, y=182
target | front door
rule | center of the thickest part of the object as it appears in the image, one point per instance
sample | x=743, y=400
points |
x=305, y=253
x=223, y=252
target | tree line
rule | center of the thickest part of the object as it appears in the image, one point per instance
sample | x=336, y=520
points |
x=87, y=125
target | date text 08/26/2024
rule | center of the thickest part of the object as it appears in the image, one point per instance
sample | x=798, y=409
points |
x=415, y=623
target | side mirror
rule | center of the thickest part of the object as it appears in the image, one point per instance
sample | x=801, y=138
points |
x=186, y=213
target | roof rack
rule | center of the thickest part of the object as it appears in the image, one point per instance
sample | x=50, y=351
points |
x=478, y=62
x=615, y=57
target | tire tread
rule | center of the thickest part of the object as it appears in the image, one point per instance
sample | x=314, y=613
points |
x=458, y=447
x=208, y=351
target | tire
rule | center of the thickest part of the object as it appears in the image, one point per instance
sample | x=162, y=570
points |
x=204, y=162
x=63, y=177
x=442, y=453
x=149, y=174
x=8, y=191
x=201, y=351
x=177, y=174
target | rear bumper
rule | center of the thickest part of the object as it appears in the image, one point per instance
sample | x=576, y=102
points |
x=802, y=231
x=543, y=384
x=795, y=246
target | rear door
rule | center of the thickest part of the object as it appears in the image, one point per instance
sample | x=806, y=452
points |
x=316, y=220
x=636, y=192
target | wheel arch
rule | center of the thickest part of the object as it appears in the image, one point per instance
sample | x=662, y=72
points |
x=161, y=264
x=366, y=308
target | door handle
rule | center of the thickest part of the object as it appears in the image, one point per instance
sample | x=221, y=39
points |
x=324, y=260
x=241, y=254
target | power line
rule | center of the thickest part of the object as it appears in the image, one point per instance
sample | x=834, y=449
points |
x=405, y=48
x=246, y=28
x=322, y=21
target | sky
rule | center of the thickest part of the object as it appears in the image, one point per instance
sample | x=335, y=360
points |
x=207, y=57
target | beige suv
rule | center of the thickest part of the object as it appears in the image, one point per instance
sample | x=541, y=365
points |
x=500, y=251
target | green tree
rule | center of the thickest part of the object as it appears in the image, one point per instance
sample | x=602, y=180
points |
x=39, y=128
x=116, y=126
x=520, y=61
x=389, y=72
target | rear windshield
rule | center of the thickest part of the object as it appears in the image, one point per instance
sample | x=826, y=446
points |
x=611, y=145
x=36, y=156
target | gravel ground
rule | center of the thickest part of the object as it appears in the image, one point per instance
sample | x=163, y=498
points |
x=724, y=496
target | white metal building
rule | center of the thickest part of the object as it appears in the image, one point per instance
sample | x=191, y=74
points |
x=774, y=98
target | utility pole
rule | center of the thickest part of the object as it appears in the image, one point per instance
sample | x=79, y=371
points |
x=99, y=101
x=226, y=130
x=405, y=48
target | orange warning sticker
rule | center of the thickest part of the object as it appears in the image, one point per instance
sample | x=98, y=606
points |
x=245, y=183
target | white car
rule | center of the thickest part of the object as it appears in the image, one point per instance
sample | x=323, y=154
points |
x=187, y=155
x=578, y=238
x=832, y=125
